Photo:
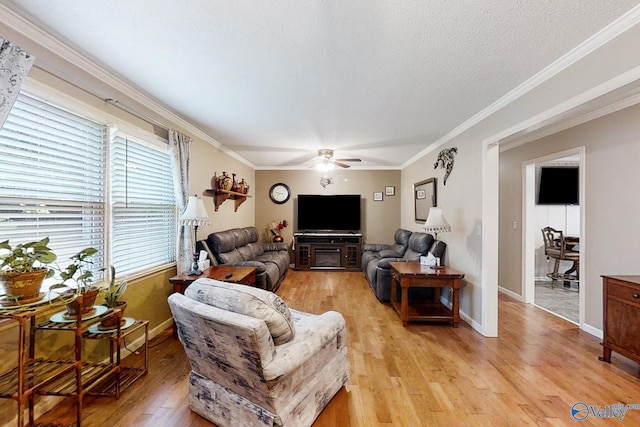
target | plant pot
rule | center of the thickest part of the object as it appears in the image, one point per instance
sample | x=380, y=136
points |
x=23, y=286
x=88, y=299
x=110, y=322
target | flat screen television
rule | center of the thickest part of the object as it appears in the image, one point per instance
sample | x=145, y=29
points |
x=558, y=185
x=329, y=213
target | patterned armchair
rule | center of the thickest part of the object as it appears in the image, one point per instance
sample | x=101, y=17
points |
x=254, y=361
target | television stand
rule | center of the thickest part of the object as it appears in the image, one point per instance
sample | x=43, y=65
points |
x=328, y=251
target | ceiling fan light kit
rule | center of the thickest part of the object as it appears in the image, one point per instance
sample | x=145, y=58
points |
x=328, y=161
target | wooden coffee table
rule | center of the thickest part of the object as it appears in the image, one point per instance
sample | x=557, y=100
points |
x=414, y=275
x=224, y=273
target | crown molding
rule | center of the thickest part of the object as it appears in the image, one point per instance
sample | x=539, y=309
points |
x=560, y=117
x=306, y=168
x=599, y=39
x=47, y=41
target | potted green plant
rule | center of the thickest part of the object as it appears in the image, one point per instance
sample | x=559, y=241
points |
x=79, y=272
x=23, y=268
x=112, y=299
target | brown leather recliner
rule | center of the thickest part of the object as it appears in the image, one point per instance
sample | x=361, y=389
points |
x=241, y=247
x=378, y=272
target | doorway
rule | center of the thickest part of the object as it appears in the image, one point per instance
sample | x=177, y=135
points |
x=562, y=298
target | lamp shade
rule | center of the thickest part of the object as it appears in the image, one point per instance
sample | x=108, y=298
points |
x=195, y=213
x=435, y=222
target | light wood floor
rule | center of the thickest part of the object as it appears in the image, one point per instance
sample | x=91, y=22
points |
x=421, y=375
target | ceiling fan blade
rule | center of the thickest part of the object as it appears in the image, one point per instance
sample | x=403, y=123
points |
x=342, y=165
x=348, y=160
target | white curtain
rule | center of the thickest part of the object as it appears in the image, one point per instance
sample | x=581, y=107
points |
x=15, y=64
x=179, y=144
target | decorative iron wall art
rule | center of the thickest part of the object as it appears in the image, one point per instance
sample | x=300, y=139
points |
x=326, y=180
x=446, y=159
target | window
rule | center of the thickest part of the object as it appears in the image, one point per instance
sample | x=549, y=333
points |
x=143, y=206
x=52, y=176
x=54, y=181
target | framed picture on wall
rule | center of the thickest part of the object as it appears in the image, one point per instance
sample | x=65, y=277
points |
x=390, y=191
x=377, y=196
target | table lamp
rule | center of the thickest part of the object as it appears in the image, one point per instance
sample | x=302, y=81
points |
x=195, y=215
x=436, y=224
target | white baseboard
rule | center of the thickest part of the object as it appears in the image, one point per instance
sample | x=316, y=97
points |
x=510, y=294
x=593, y=331
x=475, y=325
x=585, y=327
x=463, y=316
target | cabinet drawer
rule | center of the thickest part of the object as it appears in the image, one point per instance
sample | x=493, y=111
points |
x=623, y=292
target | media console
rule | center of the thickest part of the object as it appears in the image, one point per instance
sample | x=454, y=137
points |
x=328, y=251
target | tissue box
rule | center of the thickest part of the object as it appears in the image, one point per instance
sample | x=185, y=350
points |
x=430, y=260
x=204, y=264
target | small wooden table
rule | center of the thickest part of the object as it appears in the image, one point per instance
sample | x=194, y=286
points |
x=414, y=275
x=224, y=273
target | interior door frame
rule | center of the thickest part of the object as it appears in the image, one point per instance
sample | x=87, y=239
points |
x=530, y=228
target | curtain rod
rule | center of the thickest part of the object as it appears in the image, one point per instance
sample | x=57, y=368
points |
x=111, y=101
x=135, y=113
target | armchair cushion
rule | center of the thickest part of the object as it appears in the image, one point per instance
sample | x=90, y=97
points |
x=389, y=253
x=375, y=247
x=384, y=263
x=249, y=301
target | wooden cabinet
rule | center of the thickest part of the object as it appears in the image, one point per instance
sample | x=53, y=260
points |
x=621, y=300
x=328, y=251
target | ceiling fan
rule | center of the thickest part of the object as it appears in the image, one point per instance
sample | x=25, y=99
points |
x=327, y=159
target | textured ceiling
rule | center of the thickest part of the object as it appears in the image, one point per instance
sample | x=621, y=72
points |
x=275, y=81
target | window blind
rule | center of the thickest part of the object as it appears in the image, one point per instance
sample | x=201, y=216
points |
x=142, y=205
x=52, y=179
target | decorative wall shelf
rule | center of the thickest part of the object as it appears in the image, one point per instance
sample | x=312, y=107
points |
x=219, y=196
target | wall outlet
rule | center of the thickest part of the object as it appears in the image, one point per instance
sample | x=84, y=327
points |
x=515, y=225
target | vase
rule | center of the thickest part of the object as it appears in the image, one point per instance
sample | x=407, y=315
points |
x=88, y=299
x=23, y=287
x=111, y=321
x=234, y=183
x=226, y=182
x=278, y=238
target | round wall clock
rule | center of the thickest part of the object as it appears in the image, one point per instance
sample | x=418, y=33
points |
x=279, y=193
